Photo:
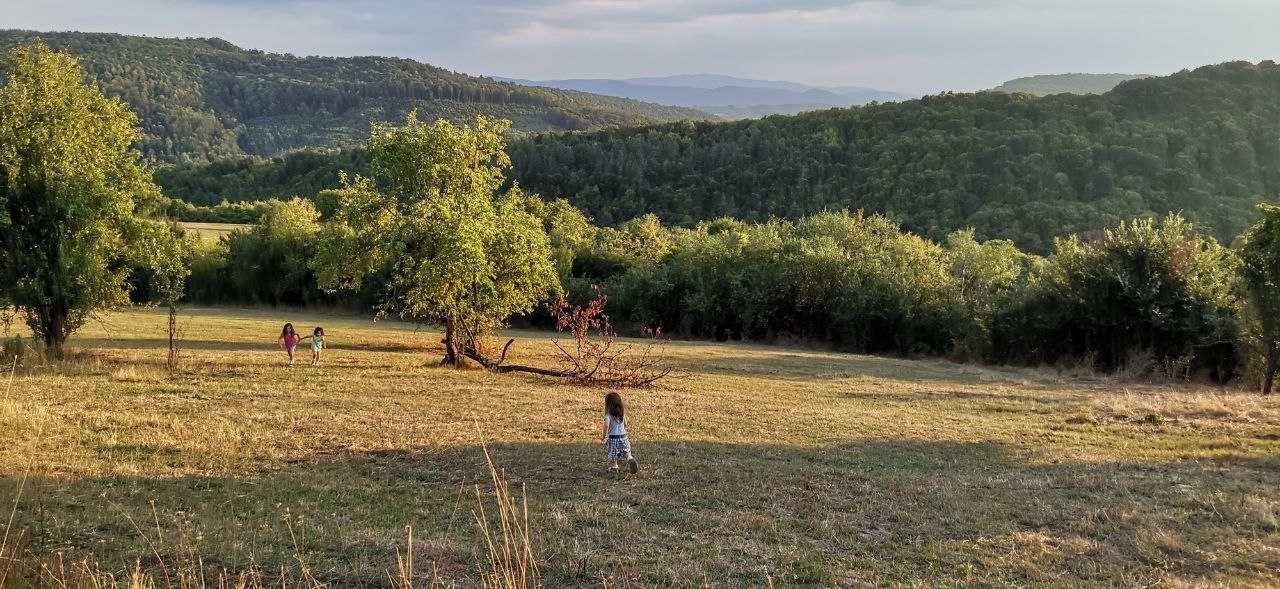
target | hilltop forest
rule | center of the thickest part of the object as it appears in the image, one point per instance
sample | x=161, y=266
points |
x=1205, y=143
x=1044, y=85
x=206, y=99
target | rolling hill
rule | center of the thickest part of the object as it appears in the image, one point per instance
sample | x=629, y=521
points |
x=1049, y=84
x=725, y=96
x=206, y=99
x=1205, y=143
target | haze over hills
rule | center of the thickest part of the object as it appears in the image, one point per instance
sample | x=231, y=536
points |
x=1045, y=85
x=204, y=99
x=725, y=96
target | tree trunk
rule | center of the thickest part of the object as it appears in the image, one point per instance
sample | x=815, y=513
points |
x=55, y=330
x=172, y=361
x=451, y=355
x=1273, y=363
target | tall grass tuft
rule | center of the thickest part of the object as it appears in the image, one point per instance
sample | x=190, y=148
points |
x=511, y=560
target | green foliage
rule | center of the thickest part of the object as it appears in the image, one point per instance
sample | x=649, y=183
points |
x=568, y=230
x=206, y=99
x=986, y=277
x=856, y=282
x=1203, y=143
x=1144, y=286
x=210, y=280
x=223, y=212
x=270, y=263
x=1158, y=291
x=248, y=178
x=160, y=264
x=1259, y=249
x=71, y=192
x=430, y=220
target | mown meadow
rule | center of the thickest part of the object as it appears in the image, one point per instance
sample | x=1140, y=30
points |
x=759, y=465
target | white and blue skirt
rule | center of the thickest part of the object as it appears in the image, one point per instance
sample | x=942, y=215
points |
x=618, y=447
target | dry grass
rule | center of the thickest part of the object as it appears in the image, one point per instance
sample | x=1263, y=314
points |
x=764, y=464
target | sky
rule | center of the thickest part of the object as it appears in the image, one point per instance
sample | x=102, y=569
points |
x=913, y=46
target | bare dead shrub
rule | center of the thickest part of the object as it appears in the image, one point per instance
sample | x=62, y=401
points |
x=595, y=355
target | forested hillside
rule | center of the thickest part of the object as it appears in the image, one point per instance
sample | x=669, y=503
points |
x=205, y=99
x=1203, y=142
x=1044, y=85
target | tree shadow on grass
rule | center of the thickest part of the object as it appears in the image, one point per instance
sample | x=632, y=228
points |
x=867, y=511
x=126, y=344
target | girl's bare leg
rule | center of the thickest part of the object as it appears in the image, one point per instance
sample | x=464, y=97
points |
x=290, y=357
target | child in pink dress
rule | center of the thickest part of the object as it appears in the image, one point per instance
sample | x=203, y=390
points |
x=289, y=340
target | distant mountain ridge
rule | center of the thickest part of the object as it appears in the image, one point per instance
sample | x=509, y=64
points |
x=1049, y=84
x=207, y=99
x=725, y=96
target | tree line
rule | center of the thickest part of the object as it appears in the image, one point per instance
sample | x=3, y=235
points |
x=1151, y=297
x=435, y=233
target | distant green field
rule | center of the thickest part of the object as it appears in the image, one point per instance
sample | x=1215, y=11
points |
x=211, y=231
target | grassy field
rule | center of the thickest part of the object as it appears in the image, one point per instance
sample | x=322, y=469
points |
x=762, y=464
x=211, y=231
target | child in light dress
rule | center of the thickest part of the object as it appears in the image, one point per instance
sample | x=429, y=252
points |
x=617, y=446
x=317, y=344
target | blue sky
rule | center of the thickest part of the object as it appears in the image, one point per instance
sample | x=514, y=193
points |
x=907, y=45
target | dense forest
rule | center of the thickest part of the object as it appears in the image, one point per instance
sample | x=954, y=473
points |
x=1205, y=143
x=206, y=99
x=1012, y=166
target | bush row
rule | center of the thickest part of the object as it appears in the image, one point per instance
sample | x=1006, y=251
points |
x=1158, y=292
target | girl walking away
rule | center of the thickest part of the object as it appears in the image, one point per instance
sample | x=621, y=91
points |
x=317, y=344
x=617, y=446
x=289, y=340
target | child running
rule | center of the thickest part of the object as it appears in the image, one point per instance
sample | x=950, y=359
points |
x=617, y=445
x=289, y=340
x=317, y=344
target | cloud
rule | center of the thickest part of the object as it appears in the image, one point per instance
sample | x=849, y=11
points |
x=910, y=45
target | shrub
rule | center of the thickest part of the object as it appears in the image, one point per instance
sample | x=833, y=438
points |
x=1157, y=285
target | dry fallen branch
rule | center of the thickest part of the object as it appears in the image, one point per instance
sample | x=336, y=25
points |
x=595, y=356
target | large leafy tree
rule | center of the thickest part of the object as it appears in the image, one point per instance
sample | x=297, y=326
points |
x=432, y=225
x=1260, y=268
x=71, y=194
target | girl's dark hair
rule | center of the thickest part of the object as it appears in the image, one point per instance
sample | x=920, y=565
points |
x=613, y=406
x=318, y=331
x=288, y=327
